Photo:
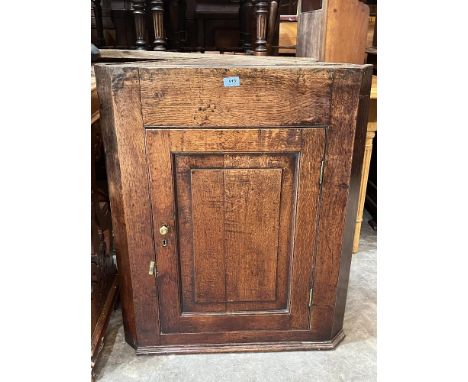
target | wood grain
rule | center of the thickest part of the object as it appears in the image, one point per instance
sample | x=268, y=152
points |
x=209, y=267
x=170, y=99
x=251, y=210
x=311, y=34
x=346, y=31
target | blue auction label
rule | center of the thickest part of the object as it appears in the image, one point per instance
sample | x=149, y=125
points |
x=231, y=81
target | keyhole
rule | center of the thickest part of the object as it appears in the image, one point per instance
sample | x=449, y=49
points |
x=164, y=243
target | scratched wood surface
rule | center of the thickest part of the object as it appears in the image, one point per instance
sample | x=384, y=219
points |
x=201, y=167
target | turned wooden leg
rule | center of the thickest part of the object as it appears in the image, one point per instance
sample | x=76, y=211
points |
x=362, y=190
x=272, y=25
x=173, y=30
x=140, y=29
x=100, y=41
x=246, y=10
x=157, y=9
x=261, y=12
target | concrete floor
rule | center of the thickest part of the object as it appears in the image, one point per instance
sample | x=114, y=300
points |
x=355, y=359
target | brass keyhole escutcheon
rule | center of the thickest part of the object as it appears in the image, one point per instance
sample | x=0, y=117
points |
x=164, y=229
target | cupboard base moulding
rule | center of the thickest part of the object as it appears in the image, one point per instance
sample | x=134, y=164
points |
x=243, y=347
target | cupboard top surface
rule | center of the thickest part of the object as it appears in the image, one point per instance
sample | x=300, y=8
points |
x=268, y=93
x=226, y=61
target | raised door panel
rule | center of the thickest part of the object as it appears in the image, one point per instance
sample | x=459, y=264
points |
x=241, y=207
x=238, y=209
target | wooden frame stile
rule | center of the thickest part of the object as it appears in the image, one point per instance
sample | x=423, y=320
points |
x=124, y=135
x=341, y=104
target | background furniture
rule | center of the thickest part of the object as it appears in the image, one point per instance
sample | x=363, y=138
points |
x=371, y=50
x=371, y=131
x=336, y=31
x=218, y=176
x=103, y=272
x=218, y=25
x=189, y=25
x=287, y=35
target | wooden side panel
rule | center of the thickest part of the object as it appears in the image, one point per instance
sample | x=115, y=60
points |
x=346, y=31
x=124, y=143
x=252, y=200
x=335, y=190
x=197, y=97
x=358, y=153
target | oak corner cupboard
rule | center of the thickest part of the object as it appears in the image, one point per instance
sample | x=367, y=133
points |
x=233, y=185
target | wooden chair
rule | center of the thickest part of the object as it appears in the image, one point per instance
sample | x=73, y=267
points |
x=266, y=26
x=157, y=13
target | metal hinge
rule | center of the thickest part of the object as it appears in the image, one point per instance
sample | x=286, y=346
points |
x=310, y=297
x=321, y=171
x=152, y=268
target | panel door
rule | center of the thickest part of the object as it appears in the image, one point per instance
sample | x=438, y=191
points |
x=241, y=209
